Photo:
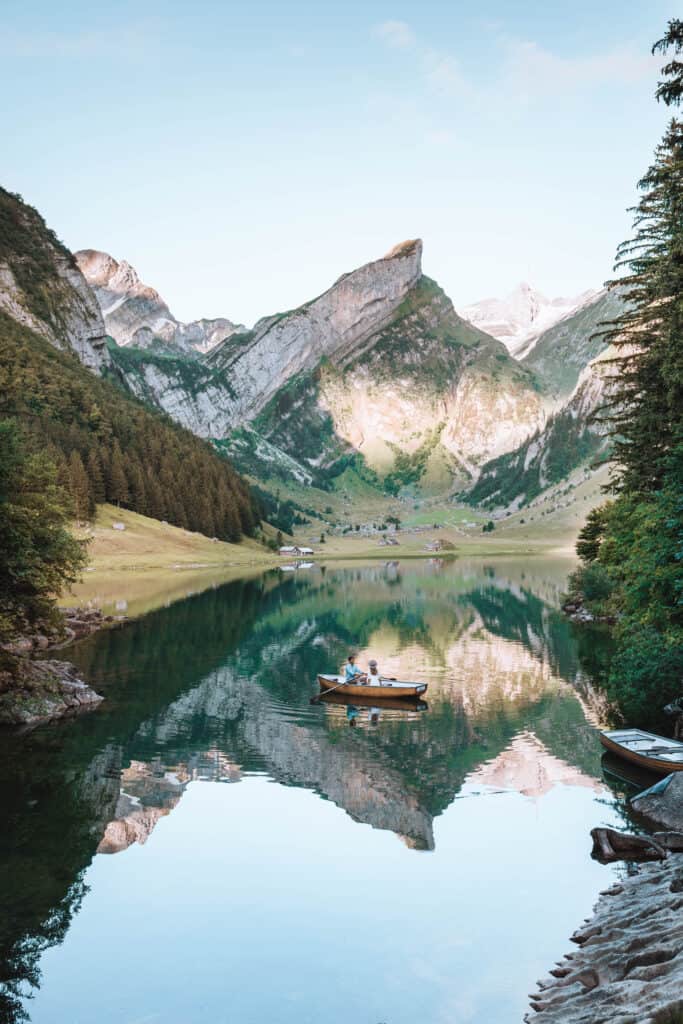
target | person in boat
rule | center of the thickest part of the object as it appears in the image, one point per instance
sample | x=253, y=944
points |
x=353, y=674
x=373, y=677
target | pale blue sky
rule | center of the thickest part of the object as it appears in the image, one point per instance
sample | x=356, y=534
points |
x=243, y=155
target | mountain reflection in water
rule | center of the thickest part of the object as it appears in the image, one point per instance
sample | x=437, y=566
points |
x=215, y=689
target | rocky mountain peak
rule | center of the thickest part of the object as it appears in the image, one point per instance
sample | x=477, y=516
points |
x=135, y=314
x=121, y=279
x=42, y=288
x=519, y=319
x=411, y=247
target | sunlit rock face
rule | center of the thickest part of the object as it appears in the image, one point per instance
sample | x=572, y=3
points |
x=429, y=380
x=42, y=288
x=379, y=364
x=135, y=314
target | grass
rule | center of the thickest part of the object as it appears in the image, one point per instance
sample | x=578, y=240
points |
x=147, y=544
x=150, y=563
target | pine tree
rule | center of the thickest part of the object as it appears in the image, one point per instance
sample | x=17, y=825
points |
x=118, y=485
x=79, y=488
x=632, y=548
x=93, y=468
x=136, y=486
x=645, y=408
x=38, y=555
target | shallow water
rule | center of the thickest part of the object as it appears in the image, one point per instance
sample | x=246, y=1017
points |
x=210, y=847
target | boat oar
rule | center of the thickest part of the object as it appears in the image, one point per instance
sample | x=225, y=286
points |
x=316, y=699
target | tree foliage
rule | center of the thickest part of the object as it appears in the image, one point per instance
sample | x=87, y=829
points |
x=632, y=548
x=108, y=446
x=38, y=555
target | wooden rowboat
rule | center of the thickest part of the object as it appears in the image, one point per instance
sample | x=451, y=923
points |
x=388, y=703
x=387, y=688
x=656, y=753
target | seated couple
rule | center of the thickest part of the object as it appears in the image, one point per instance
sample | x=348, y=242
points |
x=353, y=674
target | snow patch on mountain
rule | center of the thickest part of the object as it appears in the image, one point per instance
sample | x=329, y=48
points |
x=522, y=316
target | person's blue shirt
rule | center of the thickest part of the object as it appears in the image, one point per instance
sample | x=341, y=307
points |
x=351, y=672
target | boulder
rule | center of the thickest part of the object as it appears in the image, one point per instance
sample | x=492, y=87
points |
x=662, y=804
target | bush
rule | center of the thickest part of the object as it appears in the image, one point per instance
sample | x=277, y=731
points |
x=646, y=671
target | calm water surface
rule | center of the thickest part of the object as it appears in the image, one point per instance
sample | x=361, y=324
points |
x=210, y=847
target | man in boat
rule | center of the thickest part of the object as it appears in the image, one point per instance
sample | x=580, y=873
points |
x=353, y=674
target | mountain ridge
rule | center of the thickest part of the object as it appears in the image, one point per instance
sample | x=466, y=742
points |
x=135, y=314
x=522, y=316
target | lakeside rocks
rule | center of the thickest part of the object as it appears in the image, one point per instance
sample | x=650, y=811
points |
x=629, y=966
x=35, y=691
x=663, y=807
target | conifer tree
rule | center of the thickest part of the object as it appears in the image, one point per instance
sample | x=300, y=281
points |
x=38, y=555
x=632, y=547
x=118, y=485
x=95, y=473
x=79, y=487
x=646, y=403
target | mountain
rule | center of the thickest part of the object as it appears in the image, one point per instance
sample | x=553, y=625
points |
x=519, y=318
x=42, y=288
x=571, y=437
x=379, y=368
x=135, y=314
x=561, y=352
x=572, y=366
x=60, y=382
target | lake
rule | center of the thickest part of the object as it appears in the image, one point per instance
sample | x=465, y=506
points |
x=209, y=846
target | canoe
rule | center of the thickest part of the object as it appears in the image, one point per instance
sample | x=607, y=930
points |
x=368, y=701
x=647, y=750
x=387, y=688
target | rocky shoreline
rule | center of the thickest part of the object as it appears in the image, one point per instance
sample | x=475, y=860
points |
x=34, y=688
x=629, y=965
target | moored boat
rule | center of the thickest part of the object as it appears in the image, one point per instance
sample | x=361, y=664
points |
x=386, y=688
x=646, y=749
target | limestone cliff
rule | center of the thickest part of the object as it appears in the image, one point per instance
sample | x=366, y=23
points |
x=380, y=365
x=135, y=314
x=42, y=288
x=424, y=400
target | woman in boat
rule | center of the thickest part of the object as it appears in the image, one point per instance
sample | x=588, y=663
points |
x=353, y=674
x=373, y=677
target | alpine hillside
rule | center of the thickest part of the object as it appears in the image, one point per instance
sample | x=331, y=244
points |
x=59, y=381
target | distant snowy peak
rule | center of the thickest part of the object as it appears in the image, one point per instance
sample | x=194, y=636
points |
x=135, y=314
x=522, y=316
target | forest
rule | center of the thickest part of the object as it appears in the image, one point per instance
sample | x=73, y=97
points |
x=631, y=548
x=107, y=446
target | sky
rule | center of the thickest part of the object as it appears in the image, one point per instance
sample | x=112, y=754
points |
x=242, y=156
